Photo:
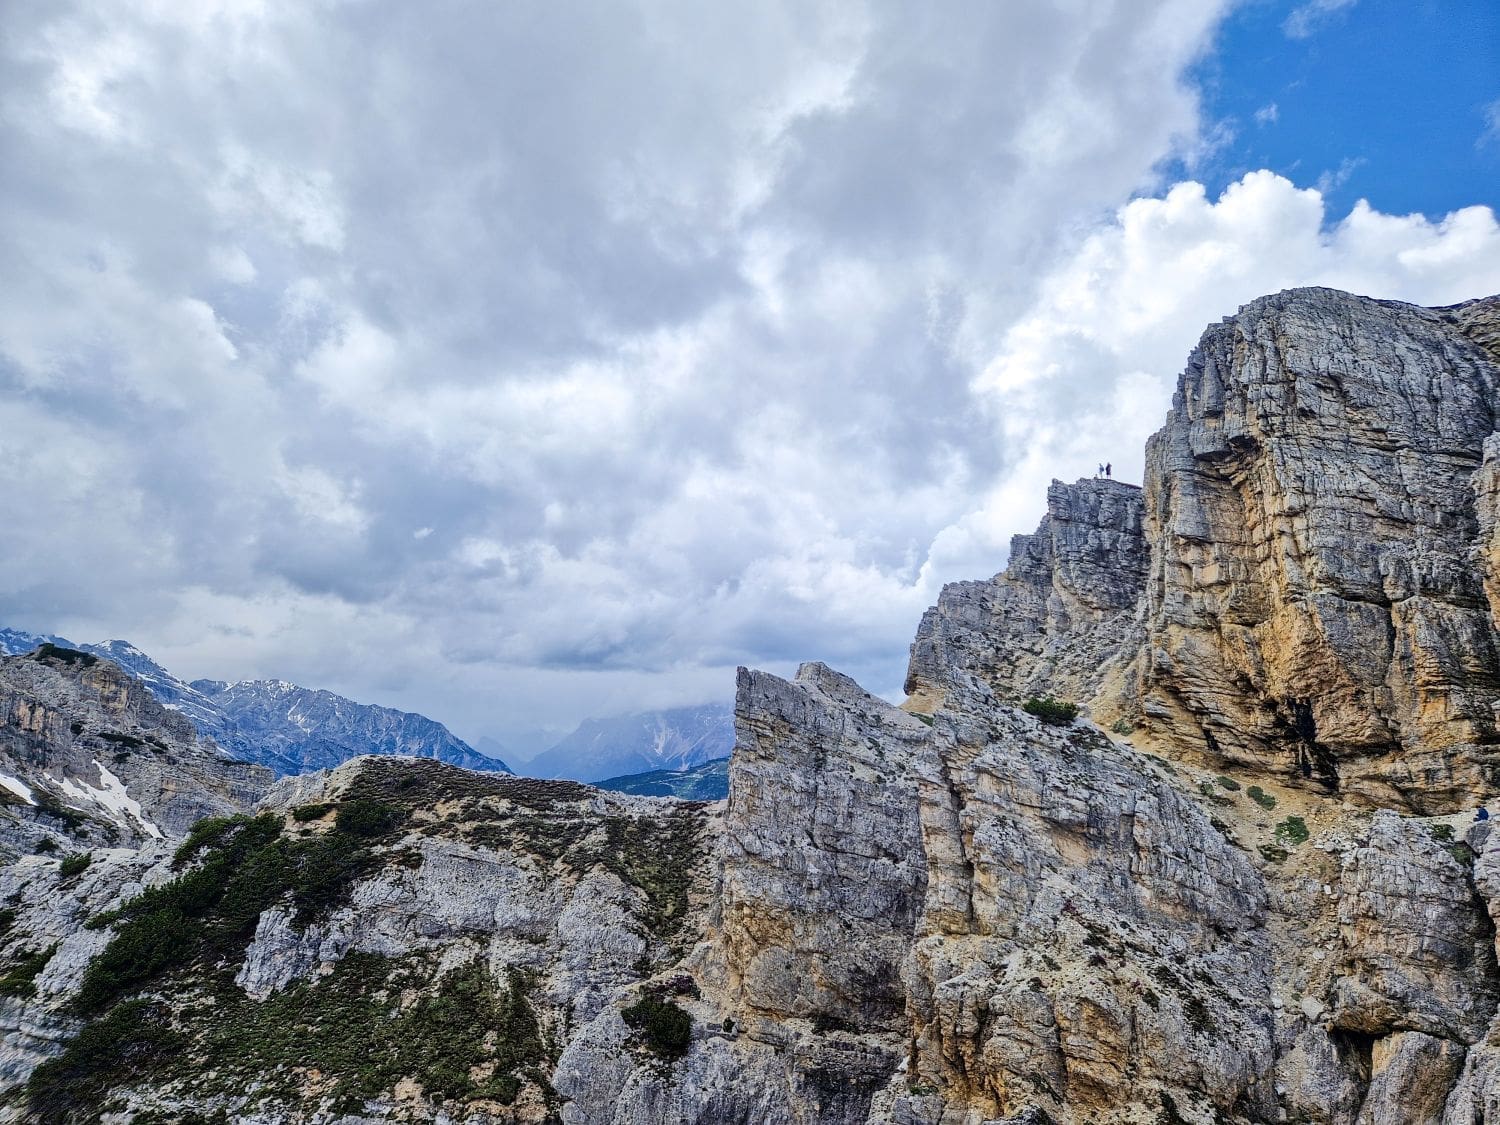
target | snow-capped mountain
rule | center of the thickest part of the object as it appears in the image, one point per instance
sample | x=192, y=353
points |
x=628, y=744
x=289, y=728
x=295, y=729
x=18, y=642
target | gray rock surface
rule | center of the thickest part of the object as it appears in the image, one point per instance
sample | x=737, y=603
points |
x=90, y=757
x=1059, y=620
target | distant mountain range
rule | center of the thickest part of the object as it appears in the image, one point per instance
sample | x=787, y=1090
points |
x=672, y=740
x=708, y=782
x=293, y=729
x=288, y=728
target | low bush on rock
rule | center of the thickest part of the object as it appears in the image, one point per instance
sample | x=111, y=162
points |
x=1056, y=712
x=75, y=864
x=664, y=1027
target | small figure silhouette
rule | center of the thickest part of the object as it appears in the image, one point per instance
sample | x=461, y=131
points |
x=1099, y=472
x=1108, y=469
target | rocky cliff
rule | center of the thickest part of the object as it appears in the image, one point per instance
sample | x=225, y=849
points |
x=1254, y=890
x=88, y=756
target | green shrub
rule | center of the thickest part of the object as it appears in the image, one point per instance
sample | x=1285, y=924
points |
x=352, y=1026
x=49, y=651
x=1292, y=830
x=1442, y=833
x=1207, y=789
x=45, y=846
x=75, y=864
x=1228, y=783
x=1273, y=853
x=19, y=979
x=1261, y=797
x=1055, y=712
x=1122, y=726
x=304, y=813
x=117, y=1049
x=666, y=1028
x=364, y=817
x=247, y=866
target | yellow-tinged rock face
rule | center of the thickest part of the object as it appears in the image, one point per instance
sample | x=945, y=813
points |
x=1307, y=582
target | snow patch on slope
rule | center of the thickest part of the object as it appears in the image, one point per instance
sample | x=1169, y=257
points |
x=18, y=787
x=111, y=797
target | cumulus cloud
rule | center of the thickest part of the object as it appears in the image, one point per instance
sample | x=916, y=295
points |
x=514, y=364
x=1306, y=20
x=1086, y=374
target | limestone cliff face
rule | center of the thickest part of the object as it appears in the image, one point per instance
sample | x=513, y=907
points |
x=88, y=756
x=1312, y=604
x=1059, y=620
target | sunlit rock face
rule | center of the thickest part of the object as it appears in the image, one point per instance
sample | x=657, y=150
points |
x=1313, y=603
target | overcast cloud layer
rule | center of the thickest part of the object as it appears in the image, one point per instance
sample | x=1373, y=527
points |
x=514, y=363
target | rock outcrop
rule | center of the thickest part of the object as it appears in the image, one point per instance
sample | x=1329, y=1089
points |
x=1312, y=604
x=88, y=756
x=1060, y=620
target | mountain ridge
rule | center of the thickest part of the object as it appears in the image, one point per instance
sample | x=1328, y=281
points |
x=267, y=721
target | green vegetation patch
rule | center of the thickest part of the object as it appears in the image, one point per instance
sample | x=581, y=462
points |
x=49, y=651
x=123, y=1047
x=1292, y=830
x=75, y=864
x=1056, y=712
x=1228, y=783
x=664, y=1027
x=1273, y=853
x=209, y=913
x=19, y=978
x=304, y=813
x=466, y=1036
x=656, y=855
x=1208, y=790
x=1261, y=797
x=368, y=818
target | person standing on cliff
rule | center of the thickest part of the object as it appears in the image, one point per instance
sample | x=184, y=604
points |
x=1107, y=468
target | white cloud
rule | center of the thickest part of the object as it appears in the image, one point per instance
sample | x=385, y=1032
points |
x=1086, y=374
x=1308, y=19
x=1491, y=133
x=1267, y=114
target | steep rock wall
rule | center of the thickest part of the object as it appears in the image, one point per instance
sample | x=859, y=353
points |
x=1312, y=607
x=1060, y=620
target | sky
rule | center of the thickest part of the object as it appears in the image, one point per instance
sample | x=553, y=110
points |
x=520, y=363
